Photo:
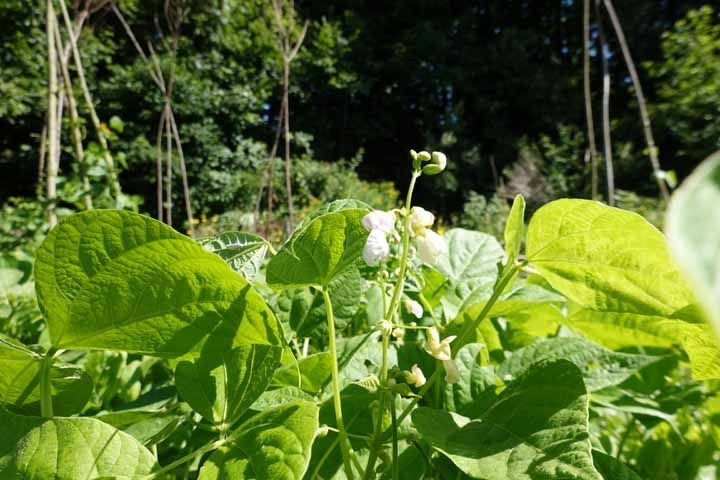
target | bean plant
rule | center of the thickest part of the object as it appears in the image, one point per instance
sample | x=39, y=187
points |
x=367, y=346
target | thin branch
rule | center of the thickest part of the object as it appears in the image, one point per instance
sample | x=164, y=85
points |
x=183, y=172
x=50, y=184
x=159, y=166
x=588, y=100
x=299, y=42
x=642, y=105
x=110, y=163
x=141, y=52
x=74, y=122
x=607, y=141
x=169, y=168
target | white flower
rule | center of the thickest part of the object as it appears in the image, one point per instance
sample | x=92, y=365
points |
x=452, y=375
x=398, y=333
x=429, y=246
x=414, y=308
x=379, y=220
x=441, y=350
x=420, y=219
x=376, y=248
x=435, y=347
x=415, y=376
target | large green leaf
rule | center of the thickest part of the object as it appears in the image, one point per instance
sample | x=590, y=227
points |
x=304, y=309
x=20, y=382
x=470, y=268
x=320, y=250
x=115, y=280
x=243, y=251
x=616, y=269
x=600, y=367
x=222, y=384
x=536, y=430
x=693, y=229
x=275, y=443
x=34, y=448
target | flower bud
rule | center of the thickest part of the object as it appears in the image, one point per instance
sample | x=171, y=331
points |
x=438, y=162
x=384, y=326
x=322, y=431
x=419, y=158
x=414, y=308
x=420, y=219
x=398, y=333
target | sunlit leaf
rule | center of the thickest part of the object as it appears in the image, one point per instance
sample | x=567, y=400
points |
x=116, y=280
x=69, y=449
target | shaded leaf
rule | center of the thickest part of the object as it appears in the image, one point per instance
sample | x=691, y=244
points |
x=537, y=429
x=20, y=381
x=222, y=384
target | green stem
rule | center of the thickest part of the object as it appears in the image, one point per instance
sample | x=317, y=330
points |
x=390, y=313
x=395, y=465
x=400, y=285
x=200, y=451
x=342, y=433
x=508, y=275
x=46, y=406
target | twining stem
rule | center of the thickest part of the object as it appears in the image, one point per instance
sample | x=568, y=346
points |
x=389, y=314
x=395, y=465
x=46, y=406
x=342, y=433
x=400, y=285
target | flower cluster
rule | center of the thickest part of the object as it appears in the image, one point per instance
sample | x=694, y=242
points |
x=430, y=245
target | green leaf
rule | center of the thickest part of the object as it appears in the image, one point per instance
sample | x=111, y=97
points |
x=470, y=268
x=537, y=429
x=600, y=367
x=222, y=384
x=514, y=229
x=693, y=227
x=319, y=250
x=315, y=371
x=611, y=468
x=275, y=443
x=244, y=252
x=616, y=269
x=115, y=280
x=20, y=382
x=307, y=314
x=13, y=272
x=68, y=449
x=476, y=386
